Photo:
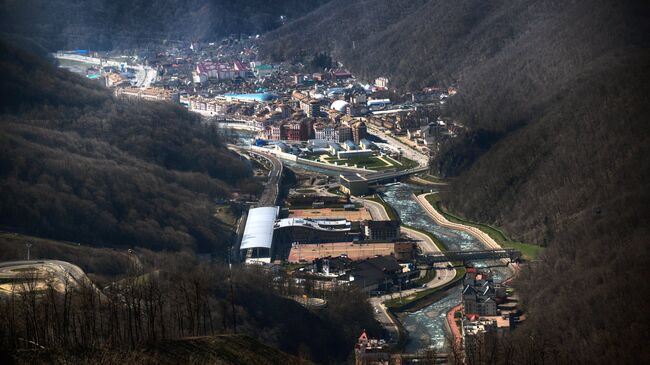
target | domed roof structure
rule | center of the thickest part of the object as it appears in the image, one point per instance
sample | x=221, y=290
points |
x=339, y=105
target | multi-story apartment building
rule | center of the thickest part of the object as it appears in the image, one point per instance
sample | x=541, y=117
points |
x=326, y=131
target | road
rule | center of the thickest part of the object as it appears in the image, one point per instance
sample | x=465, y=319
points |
x=377, y=211
x=407, y=151
x=386, y=175
x=426, y=245
x=271, y=190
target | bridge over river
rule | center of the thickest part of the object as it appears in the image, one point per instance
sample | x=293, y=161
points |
x=472, y=255
x=390, y=175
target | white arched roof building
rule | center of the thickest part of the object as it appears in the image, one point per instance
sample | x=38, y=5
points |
x=258, y=232
x=339, y=105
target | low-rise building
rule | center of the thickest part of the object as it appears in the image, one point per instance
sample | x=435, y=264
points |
x=354, y=154
x=114, y=79
x=205, y=106
x=382, y=230
x=151, y=94
x=376, y=273
x=311, y=108
x=350, y=145
x=381, y=82
x=353, y=184
x=371, y=351
x=367, y=144
x=341, y=74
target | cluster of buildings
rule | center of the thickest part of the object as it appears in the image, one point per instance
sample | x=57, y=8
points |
x=372, y=351
x=311, y=118
x=226, y=80
x=489, y=309
x=374, y=275
x=209, y=70
x=336, y=243
x=148, y=94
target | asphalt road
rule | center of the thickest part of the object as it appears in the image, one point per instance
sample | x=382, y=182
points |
x=270, y=193
x=377, y=211
x=407, y=151
x=271, y=189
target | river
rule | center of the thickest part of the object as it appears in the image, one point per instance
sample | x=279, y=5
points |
x=427, y=326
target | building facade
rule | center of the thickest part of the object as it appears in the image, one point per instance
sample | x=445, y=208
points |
x=382, y=230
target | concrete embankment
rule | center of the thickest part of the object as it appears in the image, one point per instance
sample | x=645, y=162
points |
x=440, y=219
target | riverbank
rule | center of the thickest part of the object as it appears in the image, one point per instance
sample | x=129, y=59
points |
x=529, y=251
x=440, y=219
x=425, y=297
x=453, y=327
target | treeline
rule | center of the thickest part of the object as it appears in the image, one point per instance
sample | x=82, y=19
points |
x=79, y=165
x=101, y=24
x=145, y=310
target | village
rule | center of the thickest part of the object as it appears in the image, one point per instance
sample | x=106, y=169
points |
x=338, y=231
x=311, y=112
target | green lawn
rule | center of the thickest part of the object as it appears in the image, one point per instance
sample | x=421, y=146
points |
x=374, y=162
x=403, y=164
x=529, y=251
x=431, y=178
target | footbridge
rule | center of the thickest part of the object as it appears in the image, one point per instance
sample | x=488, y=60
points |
x=473, y=255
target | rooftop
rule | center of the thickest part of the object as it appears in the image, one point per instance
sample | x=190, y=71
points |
x=352, y=177
x=258, y=232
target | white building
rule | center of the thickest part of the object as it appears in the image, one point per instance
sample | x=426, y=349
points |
x=257, y=240
x=327, y=132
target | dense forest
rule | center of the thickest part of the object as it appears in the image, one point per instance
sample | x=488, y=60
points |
x=79, y=165
x=554, y=95
x=105, y=25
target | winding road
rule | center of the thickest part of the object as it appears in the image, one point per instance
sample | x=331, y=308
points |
x=269, y=196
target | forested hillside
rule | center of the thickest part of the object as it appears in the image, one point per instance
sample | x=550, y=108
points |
x=167, y=311
x=554, y=95
x=78, y=165
x=104, y=25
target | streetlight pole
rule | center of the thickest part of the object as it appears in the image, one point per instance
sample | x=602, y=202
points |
x=232, y=298
x=400, y=291
x=28, y=245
